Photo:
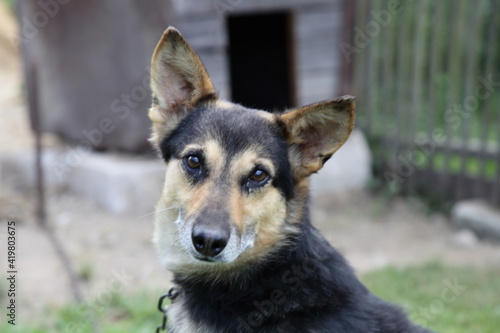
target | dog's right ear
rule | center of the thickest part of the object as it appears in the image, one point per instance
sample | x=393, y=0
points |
x=178, y=80
x=316, y=131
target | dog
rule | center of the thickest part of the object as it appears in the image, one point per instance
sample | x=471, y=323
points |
x=232, y=223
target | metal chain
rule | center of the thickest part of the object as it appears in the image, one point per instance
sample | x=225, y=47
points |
x=171, y=295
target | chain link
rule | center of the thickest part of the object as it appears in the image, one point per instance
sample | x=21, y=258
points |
x=171, y=295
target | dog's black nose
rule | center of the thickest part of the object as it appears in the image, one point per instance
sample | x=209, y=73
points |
x=208, y=240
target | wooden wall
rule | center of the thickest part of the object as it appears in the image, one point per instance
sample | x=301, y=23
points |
x=316, y=29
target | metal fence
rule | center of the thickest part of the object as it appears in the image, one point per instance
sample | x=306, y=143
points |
x=427, y=77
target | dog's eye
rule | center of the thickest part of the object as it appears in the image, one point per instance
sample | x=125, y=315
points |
x=193, y=161
x=259, y=176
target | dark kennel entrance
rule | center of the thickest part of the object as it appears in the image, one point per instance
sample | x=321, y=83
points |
x=261, y=60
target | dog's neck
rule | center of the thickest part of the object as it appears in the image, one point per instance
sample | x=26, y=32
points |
x=299, y=278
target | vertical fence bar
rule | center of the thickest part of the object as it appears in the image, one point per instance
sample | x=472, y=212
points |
x=401, y=93
x=357, y=58
x=455, y=58
x=491, y=44
x=347, y=65
x=436, y=61
x=368, y=67
x=360, y=65
x=473, y=35
x=417, y=83
x=388, y=94
x=496, y=77
x=376, y=85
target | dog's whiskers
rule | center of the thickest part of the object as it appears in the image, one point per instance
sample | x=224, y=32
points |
x=160, y=211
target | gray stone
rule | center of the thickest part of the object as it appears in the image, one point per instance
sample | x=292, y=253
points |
x=348, y=169
x=465, y=238
x=479, y=217
x=17, y=171
x=121, y=184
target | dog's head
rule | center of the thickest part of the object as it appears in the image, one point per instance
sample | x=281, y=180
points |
x=236, y=179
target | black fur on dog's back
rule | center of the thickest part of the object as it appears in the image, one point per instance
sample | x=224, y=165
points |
x=306, y=287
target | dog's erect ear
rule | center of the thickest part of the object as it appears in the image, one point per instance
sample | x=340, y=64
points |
x=316, y=131
x=178, y=81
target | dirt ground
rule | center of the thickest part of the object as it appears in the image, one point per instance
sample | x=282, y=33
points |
x=116, y=252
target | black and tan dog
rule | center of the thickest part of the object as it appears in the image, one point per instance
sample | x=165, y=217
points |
x=232, y=223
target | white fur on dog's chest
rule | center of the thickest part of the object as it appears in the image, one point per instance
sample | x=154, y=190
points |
x=180, y=321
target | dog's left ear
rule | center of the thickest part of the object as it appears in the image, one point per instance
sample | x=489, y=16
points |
x=179, y=82
x=316, y=131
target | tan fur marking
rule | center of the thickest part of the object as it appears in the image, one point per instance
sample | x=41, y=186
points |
x=198, y=199
x=191, y=147
x=242, y=165
x=245, y=162
x=221, y=104
x=270, y=211
x=236, y=207
x=199, y=196
x=215, y=156
x=266, y=115
x=266, y=208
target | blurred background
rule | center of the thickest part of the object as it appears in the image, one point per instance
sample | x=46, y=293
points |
x=412, y=199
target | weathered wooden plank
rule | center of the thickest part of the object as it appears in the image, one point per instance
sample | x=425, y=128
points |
x=316, y=54
x=374, y=30
x=365, y=58
x=489, y=45
x=455, y=69
x=437, y=53
x=359, y=66
x=228, y=7
x=389, y=91
x=316, y=86
x=401, y=73
x=417, y=75
x=326, y=23
x=346, y=70
x=489, y=123
x=473, y=35
x=215, y=61
x=204, y=31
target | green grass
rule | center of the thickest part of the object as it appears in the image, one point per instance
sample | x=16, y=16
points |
x=114, y=313
x=425, y=294
x=473, y=166
x=423, y=290
x=10, y=4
